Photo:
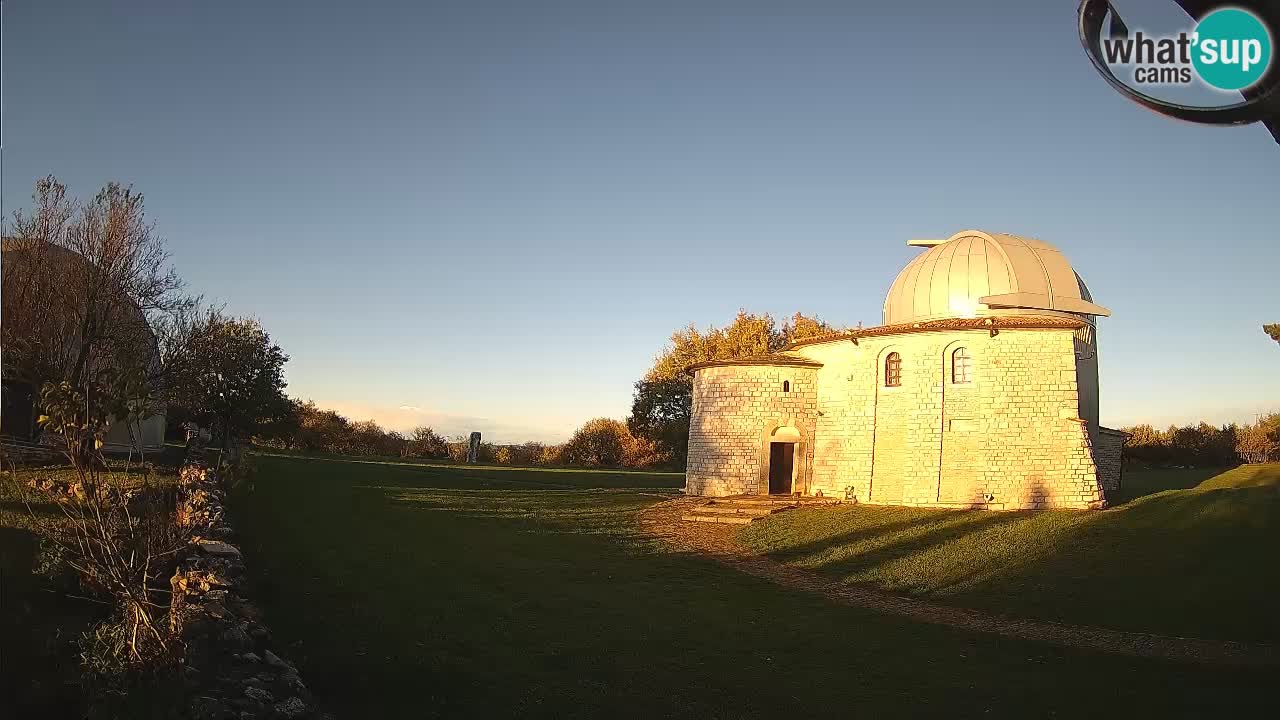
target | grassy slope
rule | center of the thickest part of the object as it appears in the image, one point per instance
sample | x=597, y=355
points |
x=1198, y=559
x=409, y=591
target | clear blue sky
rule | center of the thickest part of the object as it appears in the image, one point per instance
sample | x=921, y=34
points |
x=496, y=212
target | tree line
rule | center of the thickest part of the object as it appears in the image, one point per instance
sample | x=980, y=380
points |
x=654, y=435
x=600, y=442
x=1205, y=445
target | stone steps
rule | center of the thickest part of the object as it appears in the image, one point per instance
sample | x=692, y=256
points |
x=695, y=516
x=718, y=508
x=742, y=510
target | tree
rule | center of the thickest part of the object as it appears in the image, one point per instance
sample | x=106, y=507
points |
x=232, y=378
x=551, y=455
x=424, y=442
x=318, y=430
x=663, y=400
x=1273, y=330
x=528, y=453
x=601, y=442
x=81, y=282
x=660, y=412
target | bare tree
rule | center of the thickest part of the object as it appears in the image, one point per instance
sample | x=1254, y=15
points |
x=82, y=282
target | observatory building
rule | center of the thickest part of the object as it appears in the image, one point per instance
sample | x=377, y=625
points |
x=979, y=390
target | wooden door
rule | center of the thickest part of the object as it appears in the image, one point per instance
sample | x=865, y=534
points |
x=781, y=456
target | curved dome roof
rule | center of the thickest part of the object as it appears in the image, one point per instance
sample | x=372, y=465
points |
x=64, y=266
x=980, y=274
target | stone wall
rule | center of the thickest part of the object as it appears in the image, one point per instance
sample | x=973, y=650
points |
x=736, y=410
x=1009, y=438
x=1109, y=453
x=231, y=671
x=1013, y=437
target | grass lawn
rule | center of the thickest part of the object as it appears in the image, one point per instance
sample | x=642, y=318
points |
x=1192, y=553
x=406, y=590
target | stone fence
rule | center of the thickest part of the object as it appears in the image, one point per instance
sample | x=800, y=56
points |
x=231, y=672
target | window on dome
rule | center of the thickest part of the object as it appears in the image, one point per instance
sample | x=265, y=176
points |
x=893, y=370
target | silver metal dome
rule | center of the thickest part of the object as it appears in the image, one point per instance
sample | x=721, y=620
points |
x=979, y=274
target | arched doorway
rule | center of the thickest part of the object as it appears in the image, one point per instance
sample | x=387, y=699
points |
x=783, y=462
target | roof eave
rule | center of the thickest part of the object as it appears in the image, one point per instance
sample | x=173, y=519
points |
x=1012, y=322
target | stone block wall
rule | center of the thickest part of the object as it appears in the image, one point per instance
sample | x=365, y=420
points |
x=1013, y=437
x=735, y=410
x=1010, y=438
x=1108, y=454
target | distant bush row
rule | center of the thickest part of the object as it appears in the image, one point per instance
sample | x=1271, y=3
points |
x=1204, y=445
x=601, y=442
x=604, y=442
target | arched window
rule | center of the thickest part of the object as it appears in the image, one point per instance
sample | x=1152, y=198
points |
x=961, y=366
x=893, y=370
x=786, y=386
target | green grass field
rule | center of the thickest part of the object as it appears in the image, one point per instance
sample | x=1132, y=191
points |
x=1195, y=560
x=407, y=590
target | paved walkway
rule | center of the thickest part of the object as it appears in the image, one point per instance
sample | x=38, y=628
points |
x=663, y=520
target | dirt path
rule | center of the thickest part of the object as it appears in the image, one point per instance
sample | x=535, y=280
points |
x=663, y=520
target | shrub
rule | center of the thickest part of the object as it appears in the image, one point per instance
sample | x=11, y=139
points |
x=552, y=455
x=118, y=535
x=604, y=442
x=424, y=442
x=529, y=453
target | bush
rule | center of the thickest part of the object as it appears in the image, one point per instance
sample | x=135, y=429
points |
x=424, y=442
x=551, y=455
x=604, y=442
x=529, y=453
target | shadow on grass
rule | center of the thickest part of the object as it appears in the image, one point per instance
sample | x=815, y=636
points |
x=896, y=538
x=550, y=476
x=399, y=599
x=1196, y=561
x=354, y=472
x=42, y=509
x=1135, y=484
x=887, y=547
x=38, y=630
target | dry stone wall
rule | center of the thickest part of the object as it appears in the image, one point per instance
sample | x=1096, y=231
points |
x=231, y=671
x=735, y=410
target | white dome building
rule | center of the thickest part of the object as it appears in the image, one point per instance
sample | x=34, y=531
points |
x=979, y=390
